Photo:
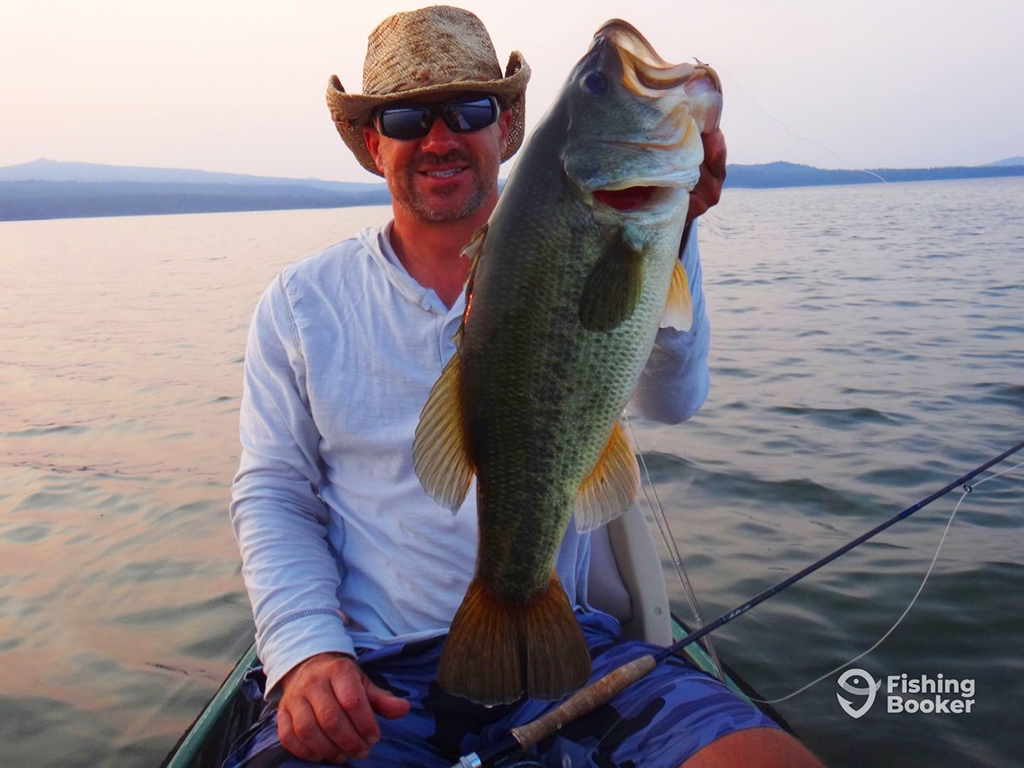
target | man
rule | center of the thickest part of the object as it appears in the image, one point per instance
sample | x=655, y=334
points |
x=353, y=572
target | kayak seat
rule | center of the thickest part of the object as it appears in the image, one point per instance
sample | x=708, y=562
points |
x=626, y=579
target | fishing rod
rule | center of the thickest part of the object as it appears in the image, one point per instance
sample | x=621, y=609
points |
x=603, y=690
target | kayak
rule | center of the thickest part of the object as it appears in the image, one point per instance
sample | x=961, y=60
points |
x=626, y=581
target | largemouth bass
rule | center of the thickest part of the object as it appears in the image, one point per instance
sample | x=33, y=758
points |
x=571, y=277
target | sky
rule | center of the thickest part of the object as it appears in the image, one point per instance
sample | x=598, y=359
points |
x=225, y=85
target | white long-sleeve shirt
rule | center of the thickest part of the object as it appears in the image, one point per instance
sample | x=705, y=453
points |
x=341, y=547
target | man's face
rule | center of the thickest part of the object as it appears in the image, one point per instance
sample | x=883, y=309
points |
x=443, y=176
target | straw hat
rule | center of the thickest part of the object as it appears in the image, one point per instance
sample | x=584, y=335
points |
x=431, y=50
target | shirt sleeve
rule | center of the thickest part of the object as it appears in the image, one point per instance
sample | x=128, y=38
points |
x=279, y=520
x=674, y=383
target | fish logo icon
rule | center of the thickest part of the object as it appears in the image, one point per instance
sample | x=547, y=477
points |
x=868, y=690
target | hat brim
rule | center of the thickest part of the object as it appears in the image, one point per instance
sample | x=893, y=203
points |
x=351, y=111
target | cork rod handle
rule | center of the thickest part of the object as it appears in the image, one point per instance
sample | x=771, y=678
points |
x=583, y=701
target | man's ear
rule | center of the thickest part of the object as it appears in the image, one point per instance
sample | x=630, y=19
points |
x=505, y=122
x=372, y=139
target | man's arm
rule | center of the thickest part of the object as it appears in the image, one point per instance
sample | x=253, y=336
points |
x=327, y=704
x=674, y=383
x=280, y=523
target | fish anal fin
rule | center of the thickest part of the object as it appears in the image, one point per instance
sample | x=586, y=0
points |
x=611, y=487
x=613, y=287
x=496, y=650
x=440, y=448
x=679, y=306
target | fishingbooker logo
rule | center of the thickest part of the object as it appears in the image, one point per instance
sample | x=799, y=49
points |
x=907, y=695
x=869, y=690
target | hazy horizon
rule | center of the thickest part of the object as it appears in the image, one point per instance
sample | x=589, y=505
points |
x=76, y=173
x=238, y=87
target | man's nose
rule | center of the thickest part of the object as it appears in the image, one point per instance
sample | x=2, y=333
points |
x=439, y=139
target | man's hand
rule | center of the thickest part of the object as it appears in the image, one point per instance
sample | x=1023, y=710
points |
x=327, y=710
x=712, y=173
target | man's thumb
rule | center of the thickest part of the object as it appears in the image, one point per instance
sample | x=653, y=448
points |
x=386, y=704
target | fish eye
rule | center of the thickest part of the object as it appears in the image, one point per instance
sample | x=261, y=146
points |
x=596, y=83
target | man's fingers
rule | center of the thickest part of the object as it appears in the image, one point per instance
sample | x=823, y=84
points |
x=304, y=744
x=310, y=731
x=386, y=704
x=708, y=190
x=328, y=708
x=348, y=691
x=714, y=153
x=336, y=722
x=290, y=739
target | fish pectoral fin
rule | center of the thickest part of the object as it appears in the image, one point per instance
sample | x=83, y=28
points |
x=679, y=306
x=613, y=287
x=612, y=485
x=440, y=449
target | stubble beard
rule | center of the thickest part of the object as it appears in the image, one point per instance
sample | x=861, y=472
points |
x=403, y=190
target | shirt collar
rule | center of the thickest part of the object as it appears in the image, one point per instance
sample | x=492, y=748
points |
x=377, y=240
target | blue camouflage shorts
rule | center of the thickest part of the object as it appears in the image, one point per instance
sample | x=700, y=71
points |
x=658, y=722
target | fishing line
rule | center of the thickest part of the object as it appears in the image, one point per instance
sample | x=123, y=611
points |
x=795, y=136
x=967, y=490
x=657, y=511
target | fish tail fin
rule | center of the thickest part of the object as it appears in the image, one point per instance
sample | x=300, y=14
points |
x=497, y=650
x=558, y=660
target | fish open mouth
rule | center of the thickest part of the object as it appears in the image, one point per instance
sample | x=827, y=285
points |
x=631, y=198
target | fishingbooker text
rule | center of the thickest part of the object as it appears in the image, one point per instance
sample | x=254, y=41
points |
x=907, y=694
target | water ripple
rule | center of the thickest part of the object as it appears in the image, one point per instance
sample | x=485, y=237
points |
x=864, y=353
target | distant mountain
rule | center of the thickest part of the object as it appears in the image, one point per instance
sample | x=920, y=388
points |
x=54, y=170
x=47, y=189
x=781, y=174
x=1018, y=160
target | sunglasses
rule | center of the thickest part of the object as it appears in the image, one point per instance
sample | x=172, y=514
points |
x=413, y=121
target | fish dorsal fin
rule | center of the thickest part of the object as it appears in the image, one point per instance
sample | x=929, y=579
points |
x=679, y=307
x=440, y=449
x=613, y=286
x=612, y=485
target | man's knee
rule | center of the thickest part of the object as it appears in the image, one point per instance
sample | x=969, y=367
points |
x=754, y=748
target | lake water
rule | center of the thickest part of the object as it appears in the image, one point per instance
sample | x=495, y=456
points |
x=868, y=347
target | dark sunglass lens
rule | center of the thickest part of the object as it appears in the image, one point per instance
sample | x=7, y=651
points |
x=405, y=122
x=470, y=115
x=413, y=122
